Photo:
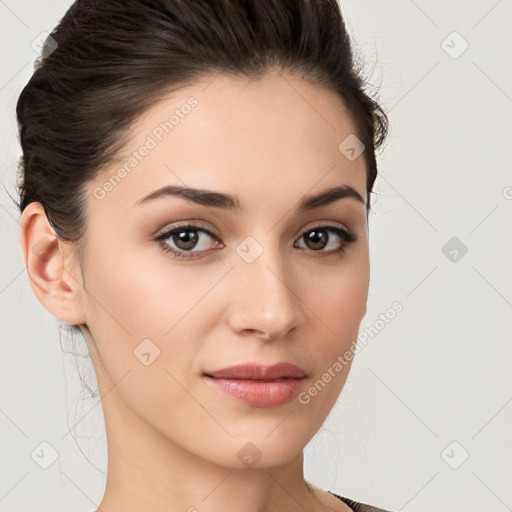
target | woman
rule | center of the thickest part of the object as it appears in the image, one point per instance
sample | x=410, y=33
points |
x=194, y=190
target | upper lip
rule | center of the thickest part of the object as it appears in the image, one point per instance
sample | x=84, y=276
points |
x=251, y=371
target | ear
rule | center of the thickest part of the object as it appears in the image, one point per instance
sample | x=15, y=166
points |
x=51, y=268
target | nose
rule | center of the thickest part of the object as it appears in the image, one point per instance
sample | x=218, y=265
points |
x=266, y=302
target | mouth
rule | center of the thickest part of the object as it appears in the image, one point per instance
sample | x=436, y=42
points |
x=258, y=385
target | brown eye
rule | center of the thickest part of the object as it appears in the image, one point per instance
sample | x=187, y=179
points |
x=185, y=239
x=318, y=239
x=181, y=240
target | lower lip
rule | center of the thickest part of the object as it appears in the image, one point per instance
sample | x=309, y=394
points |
x=259, y=393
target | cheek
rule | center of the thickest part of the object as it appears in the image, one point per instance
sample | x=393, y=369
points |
x=140, y=318
x=337, y=309
x=144, y=294
x=339, y=297
x=338, y=300
x=136, y=298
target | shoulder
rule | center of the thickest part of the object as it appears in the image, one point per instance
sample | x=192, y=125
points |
x=357, y=506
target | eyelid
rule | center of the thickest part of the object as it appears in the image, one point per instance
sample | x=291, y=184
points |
x=211, y=231
x=322, y=224
x=192, y=224
x=163, y=233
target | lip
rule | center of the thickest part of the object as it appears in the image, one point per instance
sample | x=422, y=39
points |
x=251, y=371
x=259, y=385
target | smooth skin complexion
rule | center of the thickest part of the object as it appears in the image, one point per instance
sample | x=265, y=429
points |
x=172, y=438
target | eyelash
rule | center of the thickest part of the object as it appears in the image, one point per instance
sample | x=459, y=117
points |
x=347, y=236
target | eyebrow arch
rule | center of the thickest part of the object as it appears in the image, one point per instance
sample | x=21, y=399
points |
x=228, y=202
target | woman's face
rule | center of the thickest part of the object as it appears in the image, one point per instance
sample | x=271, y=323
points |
x=259, y=279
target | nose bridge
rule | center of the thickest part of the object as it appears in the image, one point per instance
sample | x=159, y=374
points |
x=267, y=300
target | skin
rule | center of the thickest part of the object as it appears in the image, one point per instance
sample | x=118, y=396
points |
x=173, y=439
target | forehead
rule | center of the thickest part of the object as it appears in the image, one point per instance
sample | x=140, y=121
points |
x=274, y=135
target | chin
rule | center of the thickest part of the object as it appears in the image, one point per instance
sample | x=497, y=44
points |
x=258, y=451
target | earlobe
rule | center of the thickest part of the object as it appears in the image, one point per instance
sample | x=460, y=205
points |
x=54, y=284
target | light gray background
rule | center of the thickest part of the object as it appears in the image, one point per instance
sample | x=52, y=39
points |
x=438, y=373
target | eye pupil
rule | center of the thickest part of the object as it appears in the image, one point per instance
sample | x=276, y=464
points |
x=187, y=237
x=318, y=237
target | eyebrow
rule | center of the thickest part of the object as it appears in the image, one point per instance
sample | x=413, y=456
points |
x=228, y=202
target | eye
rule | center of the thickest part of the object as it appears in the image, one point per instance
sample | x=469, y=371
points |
x=318, y=239
x=187, y=237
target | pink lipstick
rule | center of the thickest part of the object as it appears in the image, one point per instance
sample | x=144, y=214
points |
x=259, y=385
